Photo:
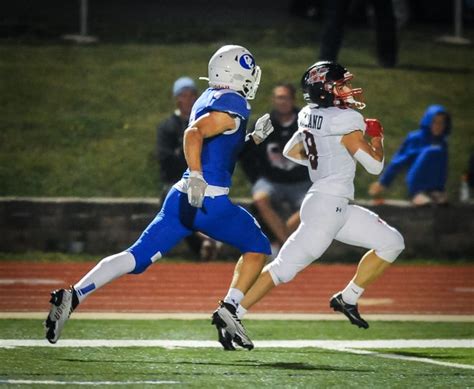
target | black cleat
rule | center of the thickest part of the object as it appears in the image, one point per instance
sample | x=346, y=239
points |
x=225, y=319
x=63, y=302
x=225, y=339
x=351, y=312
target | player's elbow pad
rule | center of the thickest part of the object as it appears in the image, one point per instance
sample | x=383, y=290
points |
x=368, y=162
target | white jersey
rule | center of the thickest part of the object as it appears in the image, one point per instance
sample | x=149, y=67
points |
x=331, y=166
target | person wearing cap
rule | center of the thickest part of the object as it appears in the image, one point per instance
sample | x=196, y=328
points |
x=171, y=160
x=170, y=132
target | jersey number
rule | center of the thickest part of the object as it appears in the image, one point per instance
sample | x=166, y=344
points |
x=312, y=152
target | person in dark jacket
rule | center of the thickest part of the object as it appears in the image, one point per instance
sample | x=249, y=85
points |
x=169, y=145
x=171, y=160
x=424, y=154
x=276, y=181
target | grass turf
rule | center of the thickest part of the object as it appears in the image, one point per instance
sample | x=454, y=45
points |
x=212, y=368
x=259, y=329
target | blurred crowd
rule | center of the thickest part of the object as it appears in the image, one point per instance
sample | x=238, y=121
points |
x=278, y=185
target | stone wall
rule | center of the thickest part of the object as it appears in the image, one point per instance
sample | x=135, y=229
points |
x=104, y=226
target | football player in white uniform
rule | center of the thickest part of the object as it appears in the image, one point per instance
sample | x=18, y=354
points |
x=330, y=141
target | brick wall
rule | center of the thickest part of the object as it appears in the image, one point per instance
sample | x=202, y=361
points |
x=105, y=226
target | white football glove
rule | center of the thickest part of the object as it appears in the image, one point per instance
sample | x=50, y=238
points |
x=196, y=189
x=263, y=128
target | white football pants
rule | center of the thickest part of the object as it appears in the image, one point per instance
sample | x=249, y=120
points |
x=325, y=218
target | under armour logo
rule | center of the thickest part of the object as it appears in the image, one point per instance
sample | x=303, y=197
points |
x=338, y=209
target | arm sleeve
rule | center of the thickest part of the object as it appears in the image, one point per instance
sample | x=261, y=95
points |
x=402, y=158
x=295, y=139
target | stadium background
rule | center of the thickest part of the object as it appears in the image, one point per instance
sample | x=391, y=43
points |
x=77, y=127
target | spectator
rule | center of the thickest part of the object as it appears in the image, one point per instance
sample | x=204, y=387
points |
x=277, y=181
x=169, y=145
x=470, y=171
x=467, y=181
x=334, y=18
x=425, y=154
x=170, y=154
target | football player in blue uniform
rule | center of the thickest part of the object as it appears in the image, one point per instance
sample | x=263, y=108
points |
x=199, y=201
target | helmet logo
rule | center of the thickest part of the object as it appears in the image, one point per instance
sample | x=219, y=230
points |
x=247, y=61
x=317, y=75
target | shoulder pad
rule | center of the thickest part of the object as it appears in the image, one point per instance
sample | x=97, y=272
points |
x=347, y=121
x=226, y=100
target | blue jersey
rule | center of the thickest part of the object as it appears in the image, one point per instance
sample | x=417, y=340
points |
x=178, y=219
x=220, y=153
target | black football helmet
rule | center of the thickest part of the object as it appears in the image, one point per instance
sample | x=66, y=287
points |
x=320, y=85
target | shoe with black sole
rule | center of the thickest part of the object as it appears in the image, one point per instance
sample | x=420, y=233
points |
x=349, y=310
x=225, y=339
x=63, y=302
x=225, y=318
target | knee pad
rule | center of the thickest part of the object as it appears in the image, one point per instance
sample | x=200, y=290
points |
x=392, y=247
x=142, y=261
x=281, y=273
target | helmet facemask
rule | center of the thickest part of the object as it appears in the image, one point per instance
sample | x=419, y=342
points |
x=353, y=98
x=249, y=88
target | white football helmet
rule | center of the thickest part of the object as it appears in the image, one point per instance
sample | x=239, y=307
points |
x=233, y=67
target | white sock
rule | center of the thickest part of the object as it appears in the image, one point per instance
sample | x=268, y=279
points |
x=234, y=297
x=352, y=293
x=108, y=269
x=241, y=311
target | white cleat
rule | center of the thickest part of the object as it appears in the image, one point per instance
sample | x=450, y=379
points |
x=63, y=302
x=224, y=317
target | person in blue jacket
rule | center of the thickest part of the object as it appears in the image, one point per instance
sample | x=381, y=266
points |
x=424, y=154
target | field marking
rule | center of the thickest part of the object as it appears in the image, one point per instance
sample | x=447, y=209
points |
x=167, y=343
x=369, y=302
x=464, y=290
x=406, y=358
x=88, y=383
x=30, y=281
x=349, y=346
x=249, y=316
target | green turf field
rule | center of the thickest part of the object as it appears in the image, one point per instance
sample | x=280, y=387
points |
x=210, y=367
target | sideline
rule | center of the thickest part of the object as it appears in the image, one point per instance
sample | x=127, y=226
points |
x=250, y=316
x=350, y=346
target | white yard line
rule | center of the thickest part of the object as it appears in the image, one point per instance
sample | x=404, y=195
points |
x=407, y=358
x=350, y=346
x=250, y=316
x=88, y=383
x=166, y=343
x=30, y=281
